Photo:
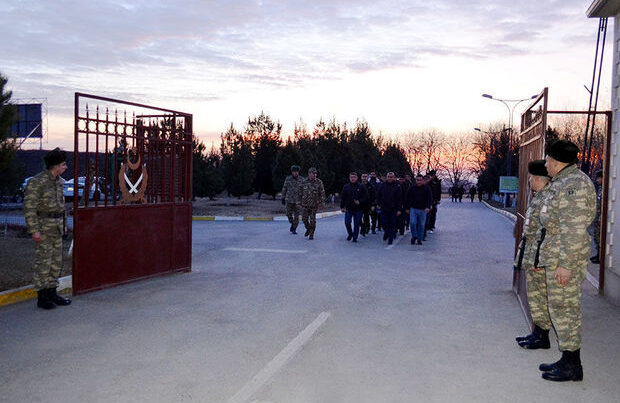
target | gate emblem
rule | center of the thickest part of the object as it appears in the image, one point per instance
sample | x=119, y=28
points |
x=132, y=191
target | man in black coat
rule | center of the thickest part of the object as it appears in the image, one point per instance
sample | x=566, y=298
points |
x=374, y=214
x=352, y=199
x=401, y=221
x=389, y=200
x=435, y=185
x=369, y=206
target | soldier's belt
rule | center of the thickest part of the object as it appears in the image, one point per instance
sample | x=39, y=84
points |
x=50, y=215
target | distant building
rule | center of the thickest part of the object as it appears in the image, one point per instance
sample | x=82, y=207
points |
x=611, y=9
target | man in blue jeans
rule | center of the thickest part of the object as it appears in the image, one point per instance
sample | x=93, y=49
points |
x=418, y=201
x=389, y=201
x=352, y=200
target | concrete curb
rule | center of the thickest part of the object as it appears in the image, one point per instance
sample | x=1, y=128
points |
x=250, y=218
x=510, y=216
x=27, y=292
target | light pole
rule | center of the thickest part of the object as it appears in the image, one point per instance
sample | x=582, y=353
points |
x=511, y=109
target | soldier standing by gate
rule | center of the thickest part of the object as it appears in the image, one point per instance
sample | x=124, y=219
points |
x=312, y=198
x=291, y=196
x=528, y=258
x=568, y=209
x=44, y=211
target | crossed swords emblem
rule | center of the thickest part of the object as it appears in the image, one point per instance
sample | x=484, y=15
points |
x=133, y=192
x=133, y=188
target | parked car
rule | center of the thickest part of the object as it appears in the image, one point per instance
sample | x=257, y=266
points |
x=94, y=193
x=19, y=195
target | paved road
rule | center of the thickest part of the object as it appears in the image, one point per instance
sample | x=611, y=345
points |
x=270, y=317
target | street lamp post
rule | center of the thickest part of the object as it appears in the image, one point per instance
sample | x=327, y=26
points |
x=511, y=109
x=511, y=105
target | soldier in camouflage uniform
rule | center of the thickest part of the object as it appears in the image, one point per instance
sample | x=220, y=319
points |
x=568, y=209
x=291, y=196
x=312, y=198
x=44, y=211
x=528, y=258
x=596, y=225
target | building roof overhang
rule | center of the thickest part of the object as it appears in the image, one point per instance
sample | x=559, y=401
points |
x=604, y=8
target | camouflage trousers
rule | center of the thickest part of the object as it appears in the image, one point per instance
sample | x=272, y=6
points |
x=565, y=308
x=308, y=217
x=536, y=282
x=48, y=260
x=293, y=211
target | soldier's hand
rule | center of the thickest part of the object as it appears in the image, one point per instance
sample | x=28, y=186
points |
x=397, y=213
x=372, y=208
x=536, y=269
x=342, y=210
x=427, y=210
x=562, y=275
x=36, y=236
x=356, y=202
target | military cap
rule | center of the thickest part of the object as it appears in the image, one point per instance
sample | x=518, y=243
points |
x=54, y=157
x=295, y=168
x=537, y=167
x=312, y=170
x=563, y=151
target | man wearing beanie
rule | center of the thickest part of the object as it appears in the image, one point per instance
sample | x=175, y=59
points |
x=528, y=256
x=44, y=210
x=568, y=209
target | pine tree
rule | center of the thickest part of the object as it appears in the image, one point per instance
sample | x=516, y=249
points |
x=237, y=163
x=10, y=170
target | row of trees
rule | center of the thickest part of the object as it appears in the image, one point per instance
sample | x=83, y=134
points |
x=258, y=159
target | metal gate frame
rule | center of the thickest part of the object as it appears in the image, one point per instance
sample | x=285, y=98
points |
x=532, y=146
x=116, y=241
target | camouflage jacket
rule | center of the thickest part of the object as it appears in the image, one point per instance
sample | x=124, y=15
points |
x=291, y=191
x=568, y=209
x=531, y=227
x=313, y=193
x=43, y=195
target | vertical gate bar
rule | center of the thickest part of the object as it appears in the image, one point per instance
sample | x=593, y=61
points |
x=76, y=188
x=107, y=167
x=604, y=206
x=172, y=163
x=96, y=173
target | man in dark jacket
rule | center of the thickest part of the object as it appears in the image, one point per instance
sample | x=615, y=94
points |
x=368, y=206
x=435, y=185
x=401, y=221
x=352, y=199
x=389, y=200
x=374, y=214
x=418, y=201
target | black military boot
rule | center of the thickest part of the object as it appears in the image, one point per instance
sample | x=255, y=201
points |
x=57, y=299
x=539, y=338
x=43, y=300
x=567, y=369
x=307, y=232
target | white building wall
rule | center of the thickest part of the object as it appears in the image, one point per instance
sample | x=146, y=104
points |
x=612, y=272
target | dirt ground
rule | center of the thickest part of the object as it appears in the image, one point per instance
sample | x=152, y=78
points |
x=17, y=258
x=247, y=206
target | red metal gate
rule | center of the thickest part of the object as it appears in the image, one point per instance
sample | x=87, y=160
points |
x=132, y=218
x=531, y=147
x=534, y=123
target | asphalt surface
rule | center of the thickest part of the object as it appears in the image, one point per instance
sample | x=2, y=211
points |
x=267, y=316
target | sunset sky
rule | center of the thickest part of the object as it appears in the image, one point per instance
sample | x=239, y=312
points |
x=401, y=65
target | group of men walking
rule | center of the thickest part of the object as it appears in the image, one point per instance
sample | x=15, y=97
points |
x=390, y=204
x=303, y=196
x=393, y=205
